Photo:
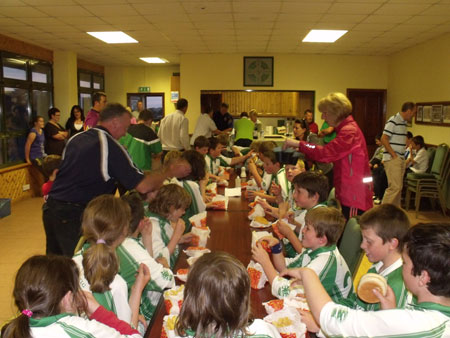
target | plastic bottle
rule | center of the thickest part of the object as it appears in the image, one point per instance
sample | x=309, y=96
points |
x=243, y=173
x=237, y=182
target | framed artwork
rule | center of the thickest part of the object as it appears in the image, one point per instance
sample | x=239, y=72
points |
x=433, y=113
x=258, y=71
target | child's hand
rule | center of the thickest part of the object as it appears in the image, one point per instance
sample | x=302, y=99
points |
x=284, y=229
x=291, y=217
x=161, y=260
x=283, y=209
x=180, y=226
x=260, y=255
x=186, y=238
x=91, y=303
x=308, y=319
x=386, y=302
x=145, y=227
x=275, y=189
x=143, y=277
x=142, y=320
x=271, y=241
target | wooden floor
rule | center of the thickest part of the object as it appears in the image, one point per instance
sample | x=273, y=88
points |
x=22, y=235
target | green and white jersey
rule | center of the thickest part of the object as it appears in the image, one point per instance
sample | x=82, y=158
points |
x=212, y=164
x=267, y=181
x=131, y=253
x=328, y=264
x=394, y=278
x=162, y=232
x=224, y=161
x=281, y=179
x=425, y=320
x=258, y=329
x=70, y=326
x=116, y=299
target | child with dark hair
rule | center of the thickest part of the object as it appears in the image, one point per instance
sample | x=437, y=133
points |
x=48, y=296
x=133, y=252
x=383, y=229
x=217, y=301
x=323, y=228
x=426, y=266
x=201, y=145
x=419, y=163
x=105, y=226
x=50, y=166
x=378, y=173
x=165, y=212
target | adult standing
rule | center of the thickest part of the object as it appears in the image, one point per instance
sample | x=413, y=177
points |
x=244, y=131
x=75, y=122
x=258, y=125
x=205, y=126
x=34, y=154
x=348, y=152
x=174, y=129
x=142, y=143
x=55, y=134
x=223, y=119
x=394, y=142
x=309, y=117
x=98, y=103
x=92, y=165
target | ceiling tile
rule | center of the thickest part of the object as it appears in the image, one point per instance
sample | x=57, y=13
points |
x=256, y=6
x=373, y=27
x=353, y=8
x=343, y=18
x=111, y=10
x=305, y=8
x=386, y=18
x=7, y=22
x=405, y=9
x=22, y=12
x=161, y=8
x=61, y=11
x=49, y=2
x=211, y=17
x=197, y=7
x=431, y=19
x=41, y=22
x=437, y=10
x=12, y=3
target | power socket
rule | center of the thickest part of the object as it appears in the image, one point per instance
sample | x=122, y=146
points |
x=25, y=187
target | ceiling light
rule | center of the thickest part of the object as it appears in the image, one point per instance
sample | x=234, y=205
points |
x=113, y=37
x=323, y=35
x=154, y=60
x=249, y=90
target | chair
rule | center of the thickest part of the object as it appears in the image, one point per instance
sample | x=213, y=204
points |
x=432, y=184
x=350, y=245
x=332, y=201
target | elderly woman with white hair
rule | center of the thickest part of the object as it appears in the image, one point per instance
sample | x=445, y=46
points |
x=348, y=152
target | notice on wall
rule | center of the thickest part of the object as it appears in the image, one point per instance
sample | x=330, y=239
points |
x=174, y=96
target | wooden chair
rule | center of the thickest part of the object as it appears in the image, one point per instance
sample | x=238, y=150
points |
x=432, y=184
x=350, y=245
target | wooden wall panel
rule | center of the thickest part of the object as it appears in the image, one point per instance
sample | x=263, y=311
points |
x=11, y=184
x=26, y=49
x=93, y=67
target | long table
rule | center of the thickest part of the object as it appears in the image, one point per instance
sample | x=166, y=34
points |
x=230, y=232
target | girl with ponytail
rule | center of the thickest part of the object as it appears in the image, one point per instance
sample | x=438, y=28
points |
x=48, y=297
x=105, y=226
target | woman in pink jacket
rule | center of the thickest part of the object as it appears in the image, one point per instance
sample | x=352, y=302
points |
x=348, y=152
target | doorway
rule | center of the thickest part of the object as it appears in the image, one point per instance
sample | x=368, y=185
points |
x=369, y=111
x=210, y=101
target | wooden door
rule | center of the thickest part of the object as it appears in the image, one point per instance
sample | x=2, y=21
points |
x=210, y=100
x=369, y=111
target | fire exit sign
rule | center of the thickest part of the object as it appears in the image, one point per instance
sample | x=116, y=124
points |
x=144, y=89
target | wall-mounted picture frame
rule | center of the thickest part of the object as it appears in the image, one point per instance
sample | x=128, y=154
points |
x=258, y=71
x=436, y=113
x=433, y=113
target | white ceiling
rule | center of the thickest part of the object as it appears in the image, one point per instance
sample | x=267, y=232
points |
x=168, y=28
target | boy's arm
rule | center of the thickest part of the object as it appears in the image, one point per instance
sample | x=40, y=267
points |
x=241, y=159
x=176, y=236
x=254, y=172
x=134, y=301
x=262, y=257
x=290, y=235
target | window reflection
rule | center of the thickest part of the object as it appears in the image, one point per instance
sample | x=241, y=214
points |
x=17, y=111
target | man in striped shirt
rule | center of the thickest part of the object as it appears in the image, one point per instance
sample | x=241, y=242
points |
x=394, y=141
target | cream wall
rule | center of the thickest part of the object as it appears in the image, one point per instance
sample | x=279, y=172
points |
x=122, y=80
x=65, y=82
x=321, y=73
x=421, y=74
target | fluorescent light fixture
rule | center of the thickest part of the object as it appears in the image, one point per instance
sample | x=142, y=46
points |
x=154, y=60
x=113, y=37
x=323, y=35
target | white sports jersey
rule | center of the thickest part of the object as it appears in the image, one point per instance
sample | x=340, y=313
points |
x=425, y=320
x=66, y=325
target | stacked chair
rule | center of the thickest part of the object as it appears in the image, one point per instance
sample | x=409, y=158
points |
x=349, y=245
x=432, y=184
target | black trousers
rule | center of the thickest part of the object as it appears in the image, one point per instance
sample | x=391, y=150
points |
x=62, y=224
x=243, y=142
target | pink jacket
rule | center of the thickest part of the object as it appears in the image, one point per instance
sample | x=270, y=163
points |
x=348, y=152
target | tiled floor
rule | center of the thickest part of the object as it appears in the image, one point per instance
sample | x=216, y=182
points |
x=22, y=235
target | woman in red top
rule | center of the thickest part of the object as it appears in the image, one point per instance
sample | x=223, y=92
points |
x=348, y=152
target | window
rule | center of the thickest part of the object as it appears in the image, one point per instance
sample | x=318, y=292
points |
x=26, y=90
x=88, y=83
x=152, y=101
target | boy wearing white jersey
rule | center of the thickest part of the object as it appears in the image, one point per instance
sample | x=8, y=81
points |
x=426, y=265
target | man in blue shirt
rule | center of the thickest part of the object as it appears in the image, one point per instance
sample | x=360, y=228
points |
x=223, y=119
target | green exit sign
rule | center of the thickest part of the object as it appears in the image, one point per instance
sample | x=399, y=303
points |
x=144, y=89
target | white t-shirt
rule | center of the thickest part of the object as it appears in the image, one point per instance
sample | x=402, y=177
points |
x=421, y=160
x=204, y=127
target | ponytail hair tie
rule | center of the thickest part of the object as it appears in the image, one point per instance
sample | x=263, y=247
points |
x=27, y=313
x=101, y=241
